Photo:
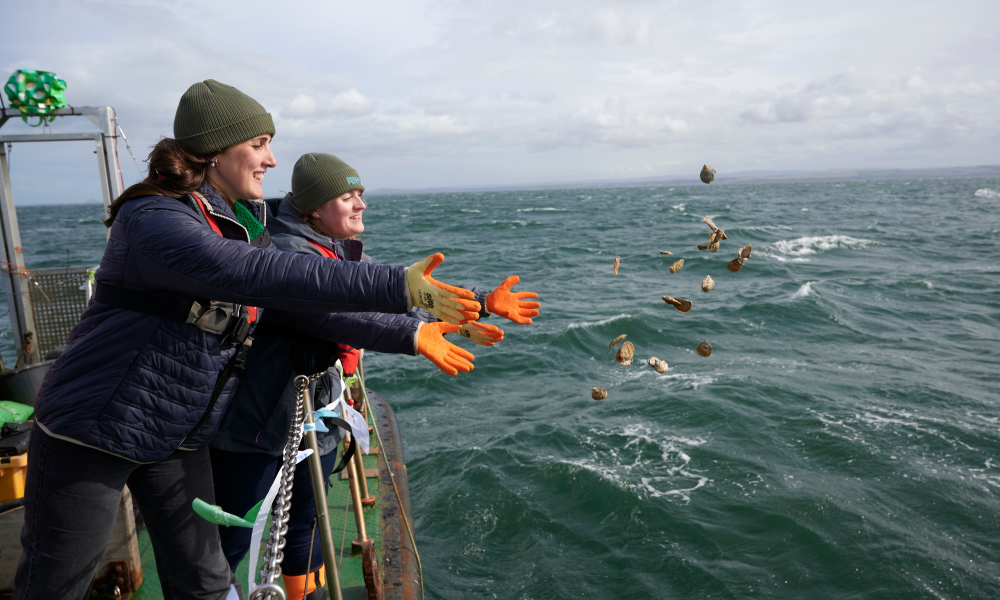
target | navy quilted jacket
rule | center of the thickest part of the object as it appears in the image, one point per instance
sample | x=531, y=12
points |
x=134, y=385
x=261, y=411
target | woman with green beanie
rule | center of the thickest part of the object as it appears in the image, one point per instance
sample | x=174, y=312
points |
x=322, y=216
x=150, y=369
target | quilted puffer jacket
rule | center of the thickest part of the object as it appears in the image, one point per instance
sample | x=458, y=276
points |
x=135, y=385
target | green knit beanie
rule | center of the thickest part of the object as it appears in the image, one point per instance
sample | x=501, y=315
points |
x=213, y=116
x=318, y=178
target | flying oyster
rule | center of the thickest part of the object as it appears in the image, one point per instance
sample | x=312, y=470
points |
x=625, y=354
x=681, y=305
x=615, y=341
x=714, y=238
x=677, y=266
x=618, y=261
x=741, y=259
x=659, y=365
x=707, y=174
x=704, y=349
x=666, y=252
x=707, y=284
x=599, y=393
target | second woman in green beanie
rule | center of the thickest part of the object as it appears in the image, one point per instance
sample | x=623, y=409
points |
x=149, y=370
x=323, y=216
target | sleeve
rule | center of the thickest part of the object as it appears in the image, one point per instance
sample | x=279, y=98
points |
x=169, y=249
x=391, y=334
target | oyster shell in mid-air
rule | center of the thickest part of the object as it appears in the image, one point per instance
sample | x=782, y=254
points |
x=707, y=174
x=599, y=393
x=618, y=261
x=704, y=349
x=625, y=354
x=741, y=259
x=666, y=252
x=681, y=305
x=677, y=266
x=615, y=341
x=707, y=284
x=659, y=365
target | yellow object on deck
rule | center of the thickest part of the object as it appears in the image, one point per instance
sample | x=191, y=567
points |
x=12, y=472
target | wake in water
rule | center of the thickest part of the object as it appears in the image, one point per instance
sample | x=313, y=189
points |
x=987, y=193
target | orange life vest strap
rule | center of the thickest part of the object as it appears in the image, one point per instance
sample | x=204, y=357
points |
x=324, y=250
x=251, y=310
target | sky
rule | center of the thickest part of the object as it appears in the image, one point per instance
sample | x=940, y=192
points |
x=446, y=94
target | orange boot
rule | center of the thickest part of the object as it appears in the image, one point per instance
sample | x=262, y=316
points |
x=311, y=586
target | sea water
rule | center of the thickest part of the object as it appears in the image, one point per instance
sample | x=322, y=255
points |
x=840, y=442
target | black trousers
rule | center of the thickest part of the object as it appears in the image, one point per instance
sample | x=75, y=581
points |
x=71, y=498
x=243, y=479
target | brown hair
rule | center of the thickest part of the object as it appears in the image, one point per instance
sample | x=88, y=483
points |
x=173, y=172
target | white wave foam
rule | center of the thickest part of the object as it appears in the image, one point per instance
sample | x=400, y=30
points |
x=617, y=463
x=511, y=223
x=597, y=323
x=545, y=209
x=987, y=193
x=806, y=246
x=804, y=290
x=468, y=210
x=692, y=380
x=679, y=206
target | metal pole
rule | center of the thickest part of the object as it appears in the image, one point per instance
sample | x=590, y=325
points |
x=359, y=465
x=359, y=510
x=322, y=514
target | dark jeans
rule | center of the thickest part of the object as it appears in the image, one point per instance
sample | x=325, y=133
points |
x=242, y=480
x=71, y=498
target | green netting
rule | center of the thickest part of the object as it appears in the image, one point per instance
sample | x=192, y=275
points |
x=36, y=93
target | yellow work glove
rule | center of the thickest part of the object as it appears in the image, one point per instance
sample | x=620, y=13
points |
x=447, y=356
x=508, y=305
x=484, y=335
x=449, y=303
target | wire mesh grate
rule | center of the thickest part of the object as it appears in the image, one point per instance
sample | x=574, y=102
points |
x=58, y=298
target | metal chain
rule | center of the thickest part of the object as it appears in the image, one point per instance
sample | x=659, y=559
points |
x=274, y=552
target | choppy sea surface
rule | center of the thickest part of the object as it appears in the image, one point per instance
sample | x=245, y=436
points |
x=840, y=442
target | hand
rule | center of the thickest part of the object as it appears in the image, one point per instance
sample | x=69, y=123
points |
x=447, y=356
x=484, y=335
x=446, y=302
x=509, y=306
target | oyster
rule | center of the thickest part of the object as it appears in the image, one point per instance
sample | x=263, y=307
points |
x=707, y=284
x=599, y=393
x=707, y=174
x=741, y=259
x=615, y=341
x=618, y=261
x=625, y=354
x=681, y=305
x=715, y=230
x=666, y=252
x=659, y=365
x=677, y=266
x=704, y=349
x=702, y=247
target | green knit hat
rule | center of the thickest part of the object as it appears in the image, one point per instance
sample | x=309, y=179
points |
x=213, y=116
x=318, y=178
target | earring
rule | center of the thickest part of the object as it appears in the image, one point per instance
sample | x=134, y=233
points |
x=213, y=163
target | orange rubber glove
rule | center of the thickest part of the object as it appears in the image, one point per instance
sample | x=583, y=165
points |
x=447, y=356
x=484, y=335
x=508, y=305
x=449, y=303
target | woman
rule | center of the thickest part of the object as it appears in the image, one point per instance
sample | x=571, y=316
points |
x=322, y=216
x=149, y=370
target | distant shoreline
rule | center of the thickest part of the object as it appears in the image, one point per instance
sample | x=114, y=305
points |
x=742, y=177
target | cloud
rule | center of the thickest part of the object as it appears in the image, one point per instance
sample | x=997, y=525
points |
x=549, y=90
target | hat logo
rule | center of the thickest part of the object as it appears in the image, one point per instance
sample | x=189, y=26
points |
x=354, y=180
